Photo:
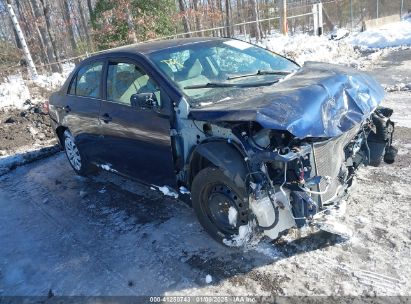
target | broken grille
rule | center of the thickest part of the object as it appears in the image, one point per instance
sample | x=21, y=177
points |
x=329, y=157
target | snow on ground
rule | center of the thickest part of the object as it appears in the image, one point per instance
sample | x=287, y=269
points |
x=166, y=190
x=303, y=47
x=27, y=155
x=15, y=90
x=390, y=35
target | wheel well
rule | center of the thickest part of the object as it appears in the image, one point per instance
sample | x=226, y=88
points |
x=198, y=163
x=218, y=154
x=60, y=132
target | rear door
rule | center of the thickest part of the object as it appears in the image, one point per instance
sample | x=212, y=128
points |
x=136, y=140
x=81, y=108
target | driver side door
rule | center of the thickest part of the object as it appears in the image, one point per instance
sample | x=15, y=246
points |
x=136, y=139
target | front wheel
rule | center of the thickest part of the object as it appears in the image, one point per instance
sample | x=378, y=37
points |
x=221, y=207
x=78, y=161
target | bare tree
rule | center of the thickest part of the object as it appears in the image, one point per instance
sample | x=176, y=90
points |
x=45, y=34
x=255, y=26
x=47, y=16
x=83, y=21
x=199, y=25
x=90, y=8
x=69, y=24
x=26, y=50
x=220, y=7
x=186, y=23
x=228, y=18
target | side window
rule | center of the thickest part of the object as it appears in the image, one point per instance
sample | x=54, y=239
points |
x=87, y=82
x=126, y=79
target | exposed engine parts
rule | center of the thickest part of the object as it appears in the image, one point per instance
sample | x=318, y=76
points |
x=294, y=180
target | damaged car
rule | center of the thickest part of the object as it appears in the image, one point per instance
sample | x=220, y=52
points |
x=259, y=143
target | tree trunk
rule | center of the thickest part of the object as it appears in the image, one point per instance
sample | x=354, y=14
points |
x=83, y=21
x=30, y=29
x=242, y=16
x=199, y=25
x=16, y=37
x=34, y=29
x=239, y=19
x=255, y=27
x=69, y=25
x=90, y=8
x=132, y=35
x=46, y=11
x=26, y=50
x=186, y=24
x=227, y=18
x=220, y=7
x=38, y=13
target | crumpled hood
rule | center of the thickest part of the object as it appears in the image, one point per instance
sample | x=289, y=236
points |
x=319, y=100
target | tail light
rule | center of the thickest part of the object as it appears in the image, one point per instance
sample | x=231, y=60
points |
x=46, y=107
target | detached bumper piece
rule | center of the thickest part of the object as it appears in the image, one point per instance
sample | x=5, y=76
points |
x=380, y=140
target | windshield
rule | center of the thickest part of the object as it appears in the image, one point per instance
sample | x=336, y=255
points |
x=203, y=71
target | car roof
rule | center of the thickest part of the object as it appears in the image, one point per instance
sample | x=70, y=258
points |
x=153, y=46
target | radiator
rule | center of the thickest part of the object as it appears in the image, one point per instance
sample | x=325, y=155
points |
x=328, y=158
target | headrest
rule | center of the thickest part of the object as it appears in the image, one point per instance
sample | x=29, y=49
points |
x=167, y=70
x=195, y=70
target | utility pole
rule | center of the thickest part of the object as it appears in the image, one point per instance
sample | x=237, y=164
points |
x=26, y=51
x=284, y=27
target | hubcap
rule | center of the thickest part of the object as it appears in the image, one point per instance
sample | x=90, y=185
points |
x=72, y=153
x=220, y=200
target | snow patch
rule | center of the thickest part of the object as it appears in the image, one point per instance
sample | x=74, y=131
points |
x=232, y=216
x=303, y=47
x=107, y=167
x=167, y=191
x=184, y=190
x=208, y=279
x=14, y=92
x=243, y=236
x=335, y=227
x=390, y=35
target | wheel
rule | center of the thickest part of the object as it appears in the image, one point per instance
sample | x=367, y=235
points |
x=216, y=199
x=77, y=160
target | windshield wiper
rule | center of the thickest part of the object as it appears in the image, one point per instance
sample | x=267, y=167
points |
x=229, y=85
x=261, y=72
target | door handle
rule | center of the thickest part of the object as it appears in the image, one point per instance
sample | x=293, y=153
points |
x=67, y=109
x=106, y=118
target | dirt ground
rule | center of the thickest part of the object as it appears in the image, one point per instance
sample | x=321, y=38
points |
x=22, y=128
x=106, y=235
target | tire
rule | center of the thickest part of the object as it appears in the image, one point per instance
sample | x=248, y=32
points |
x=78, y=161
x=213, y=193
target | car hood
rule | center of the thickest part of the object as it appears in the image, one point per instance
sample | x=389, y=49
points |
x=319, y=100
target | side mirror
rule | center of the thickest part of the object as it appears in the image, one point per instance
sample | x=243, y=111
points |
x=144, y=100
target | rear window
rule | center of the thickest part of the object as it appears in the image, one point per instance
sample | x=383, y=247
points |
x=87, y=81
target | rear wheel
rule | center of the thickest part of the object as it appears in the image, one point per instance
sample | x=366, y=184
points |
x=77, y=160
x=220, y=205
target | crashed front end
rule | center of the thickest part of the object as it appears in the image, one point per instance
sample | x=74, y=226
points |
x=298, y=182
x=301, y=173
x=304, y=139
